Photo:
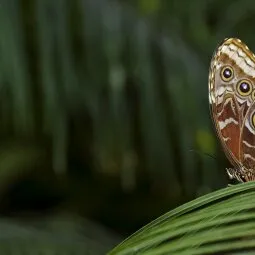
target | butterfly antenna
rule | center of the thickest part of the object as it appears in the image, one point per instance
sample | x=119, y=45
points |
x=203, y=153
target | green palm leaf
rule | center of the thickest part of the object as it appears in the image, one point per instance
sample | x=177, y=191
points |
x=219, y=222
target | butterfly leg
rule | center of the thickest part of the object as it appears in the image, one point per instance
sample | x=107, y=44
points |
x=235, y=173
x=241, y=174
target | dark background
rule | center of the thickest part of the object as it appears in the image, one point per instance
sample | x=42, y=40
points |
x=104, y=106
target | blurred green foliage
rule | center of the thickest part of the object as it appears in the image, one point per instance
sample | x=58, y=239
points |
x=104, y=105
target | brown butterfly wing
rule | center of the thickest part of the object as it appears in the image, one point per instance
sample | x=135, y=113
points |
x=228, y=98
x=224, y=107
x=247, y=144
x=227, y=123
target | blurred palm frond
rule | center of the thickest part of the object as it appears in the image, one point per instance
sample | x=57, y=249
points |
x=126, y=75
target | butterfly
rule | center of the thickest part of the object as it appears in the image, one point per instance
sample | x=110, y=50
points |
x=232, y=105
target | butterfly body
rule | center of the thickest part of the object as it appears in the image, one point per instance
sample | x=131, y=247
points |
x=232, y=101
